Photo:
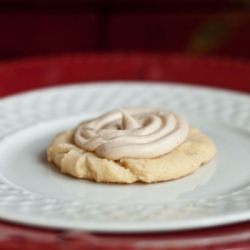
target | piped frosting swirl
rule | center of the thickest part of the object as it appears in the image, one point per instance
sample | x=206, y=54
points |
x=132, y=133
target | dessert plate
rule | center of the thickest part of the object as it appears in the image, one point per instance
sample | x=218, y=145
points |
x=34, y=193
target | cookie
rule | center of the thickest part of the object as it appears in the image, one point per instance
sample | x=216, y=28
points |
x=187, y=157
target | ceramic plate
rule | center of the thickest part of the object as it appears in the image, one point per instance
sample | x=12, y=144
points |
x=32, y=192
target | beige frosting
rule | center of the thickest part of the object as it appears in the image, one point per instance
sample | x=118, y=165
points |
x=132, y=133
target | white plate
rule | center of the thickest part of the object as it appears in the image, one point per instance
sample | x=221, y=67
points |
x=32, y=192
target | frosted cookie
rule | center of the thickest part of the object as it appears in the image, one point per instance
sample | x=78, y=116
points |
x=130, y=145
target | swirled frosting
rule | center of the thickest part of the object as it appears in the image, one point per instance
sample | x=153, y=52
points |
x=132, y=133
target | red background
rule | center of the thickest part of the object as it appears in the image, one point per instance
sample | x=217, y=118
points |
x=195, y=27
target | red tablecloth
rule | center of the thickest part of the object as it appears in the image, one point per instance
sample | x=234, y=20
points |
x=33, y=73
